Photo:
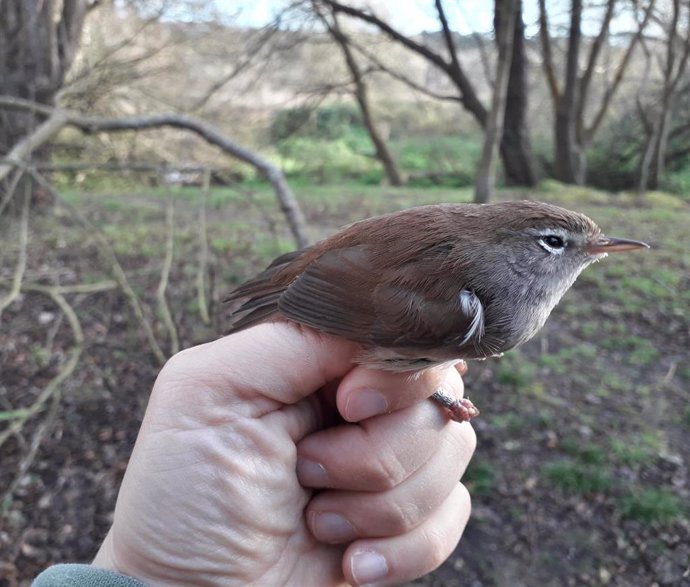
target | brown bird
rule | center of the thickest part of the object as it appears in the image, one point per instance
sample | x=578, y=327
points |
x=432, y=284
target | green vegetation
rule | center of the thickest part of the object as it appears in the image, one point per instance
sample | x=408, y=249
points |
x=331, y=144
x=515, y=370
x=573, y=476
x=651, y=506
x=480, y=477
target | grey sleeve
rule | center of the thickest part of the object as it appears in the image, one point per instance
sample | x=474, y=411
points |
x=83, y=576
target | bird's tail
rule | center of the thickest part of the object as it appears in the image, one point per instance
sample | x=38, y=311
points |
x=259, y=296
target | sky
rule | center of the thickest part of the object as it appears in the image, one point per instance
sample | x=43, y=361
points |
x=416, y=16
x=409, y=16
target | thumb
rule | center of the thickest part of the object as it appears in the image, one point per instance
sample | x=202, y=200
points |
x=281, y=362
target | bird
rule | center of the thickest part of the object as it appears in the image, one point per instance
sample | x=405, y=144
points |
x=431, y=285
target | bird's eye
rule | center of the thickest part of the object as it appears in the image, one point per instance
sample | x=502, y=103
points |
x=552, y=243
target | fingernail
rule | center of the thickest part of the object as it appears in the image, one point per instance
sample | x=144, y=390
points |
x=312, y=474
x=367, y=567
x=331, y=527
x=364, y=404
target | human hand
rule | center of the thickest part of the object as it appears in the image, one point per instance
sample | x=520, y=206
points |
x=239, y=433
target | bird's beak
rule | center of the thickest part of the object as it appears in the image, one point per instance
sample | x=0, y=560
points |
x=609, y=244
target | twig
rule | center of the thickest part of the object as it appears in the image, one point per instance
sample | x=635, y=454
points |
x=86, y=288
x=43, y=133
x=203, y=251
x=21, y=258
x=14, y=182
x=165, y=277
x=19, y=417
x=115, y=266
x=29, y=457
x=380, y=66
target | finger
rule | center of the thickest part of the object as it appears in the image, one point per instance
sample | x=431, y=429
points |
x=341, y=516
x=376, y=455
x=395, y=560
x=364, y=392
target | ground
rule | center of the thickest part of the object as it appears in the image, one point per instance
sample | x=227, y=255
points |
x=581, y=473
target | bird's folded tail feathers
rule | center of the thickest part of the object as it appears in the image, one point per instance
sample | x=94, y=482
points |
x=260, y=295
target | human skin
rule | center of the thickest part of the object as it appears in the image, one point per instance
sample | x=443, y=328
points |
x=239, y=435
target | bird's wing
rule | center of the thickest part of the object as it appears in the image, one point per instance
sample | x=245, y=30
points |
x=351, y=292
x=260, y=295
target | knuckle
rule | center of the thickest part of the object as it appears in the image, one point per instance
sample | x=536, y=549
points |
x=469, y=439
x=385, y=471
x=463, y=442
x=435, y=547
x=400, y=517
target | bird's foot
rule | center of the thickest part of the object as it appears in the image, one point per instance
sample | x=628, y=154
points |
x=460, y=410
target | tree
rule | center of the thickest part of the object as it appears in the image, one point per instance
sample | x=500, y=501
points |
x=486, y=171
x=383, y=154
x=572, y=133
x=38, y=43
x=515, y=147
x=657, y=117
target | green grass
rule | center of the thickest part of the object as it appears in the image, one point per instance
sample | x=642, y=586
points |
x=651, y=506
x=480, y=477
x=515, y=370
x=572, y=476
x=638, y=450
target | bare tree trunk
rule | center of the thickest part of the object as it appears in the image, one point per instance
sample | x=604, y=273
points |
x=646, y=160
x=38, y=42
x=568, y=158
x=383, y=153
x=516, y=148
x=658, y=163
x=486, y=172
x=570, y=164
x=572, y=135
x=653, y=160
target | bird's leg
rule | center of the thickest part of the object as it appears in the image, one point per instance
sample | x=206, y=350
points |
x=460, y=410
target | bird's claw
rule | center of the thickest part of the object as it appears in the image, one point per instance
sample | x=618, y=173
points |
x=460, y=410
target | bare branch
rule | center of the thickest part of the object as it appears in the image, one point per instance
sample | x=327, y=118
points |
x=239, y=67
x=21, y=257
x=36, y=438
x=547, y=58
x=18, y=417
x=111, y=257
x=594, y=52
x=11, y=188
x=468, y=96
x=383, y=154
x=448, y=36
x=589, y=132
x=394, y=34
x=380, y=66
x=165, y=277
x=45, y=131
x=203, y=251
x=58, y=118
x=484, y=58
x=683, y=63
